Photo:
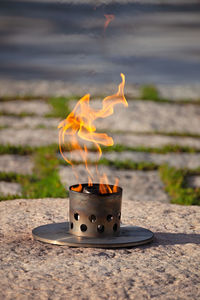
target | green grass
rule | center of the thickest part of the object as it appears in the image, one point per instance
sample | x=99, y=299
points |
x=44, y=182
x=176, y=185
x=149, y=92
x=129, y=165
x=22, y=97
x=10, y=197
x=60, y=106
x=21, y=150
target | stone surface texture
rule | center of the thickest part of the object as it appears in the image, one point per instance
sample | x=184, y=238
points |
x=60, y=88
x=194, y=181
x=9, y=188
x=28, y=122
x=168, y=268
x=16, y=164
x=178, y=160
x=37, y=107
x=137, y=185
x=147, y=116
x=154, y=140
x=27, y=132
x=27, y=136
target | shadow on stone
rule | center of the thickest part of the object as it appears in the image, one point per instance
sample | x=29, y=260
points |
x=168, y=238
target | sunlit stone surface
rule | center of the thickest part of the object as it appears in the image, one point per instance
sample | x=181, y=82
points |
x=10, y=188
x=166, y=269
x=16, y=164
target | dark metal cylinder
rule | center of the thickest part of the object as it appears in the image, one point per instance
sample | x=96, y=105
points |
x=94, y=214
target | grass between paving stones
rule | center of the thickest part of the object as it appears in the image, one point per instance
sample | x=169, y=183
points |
x=60, y=106
x=161, y=150
x=175, y=180
x=20, y=150
x=12, y=177
x=45, y=181
x=150, y=92
x=176, y=185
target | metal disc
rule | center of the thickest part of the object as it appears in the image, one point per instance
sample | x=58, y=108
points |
x=57, y=233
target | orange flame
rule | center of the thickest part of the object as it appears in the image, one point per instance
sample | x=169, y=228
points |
x=115, y=186
x=79, y=124
x=109, y=18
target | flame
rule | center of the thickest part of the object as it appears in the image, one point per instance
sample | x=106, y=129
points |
x=79, y=124
x=109, y=18
x=78, y=188
x=115, y=186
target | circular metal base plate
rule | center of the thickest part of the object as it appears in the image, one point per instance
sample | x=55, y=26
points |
x=57, y=233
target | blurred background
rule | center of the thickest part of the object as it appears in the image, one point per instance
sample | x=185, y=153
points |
x=150, y=41
x=52, y=52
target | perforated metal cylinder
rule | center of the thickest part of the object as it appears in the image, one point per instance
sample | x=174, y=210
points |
x=94, y=214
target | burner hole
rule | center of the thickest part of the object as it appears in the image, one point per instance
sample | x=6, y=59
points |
x=72, y=225
x=76, y=216
x=119, y=215
x=92, y=218
x=100, y=228
x=115, y=227
x=109, y=218
x=83, y=227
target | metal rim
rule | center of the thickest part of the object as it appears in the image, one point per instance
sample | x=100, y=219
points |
x=58, y=234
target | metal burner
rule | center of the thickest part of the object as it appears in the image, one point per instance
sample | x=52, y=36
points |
x=94, y=221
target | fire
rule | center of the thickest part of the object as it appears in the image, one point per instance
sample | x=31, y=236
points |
x=109, y=18
x=79, y=125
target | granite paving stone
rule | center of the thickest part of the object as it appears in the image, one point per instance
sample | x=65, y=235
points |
x=16, y=164
x=178, y=160
x=183, y=160
x=193, y=181
x=137, y=185
x=166, y=269
x=37, y=107
x=146, y=116
x=25, y=133
x=10, y=188
x=61, y=88
x=180, y=92
x=154, y=140
x=28, y=136
x=28, y=122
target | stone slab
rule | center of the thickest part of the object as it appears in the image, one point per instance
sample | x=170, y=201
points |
x=28, y=133
x=194, y=181
x=180, y=92
x=183, y=160
x=156, y=140
x=166, y=269
x=37, y=107
x=60, y=88
x=146, y=116
x=10, y=188
x=178, y=160
x=16, y=164
x=137, y=185
x=28, y=122
x=28, y=136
